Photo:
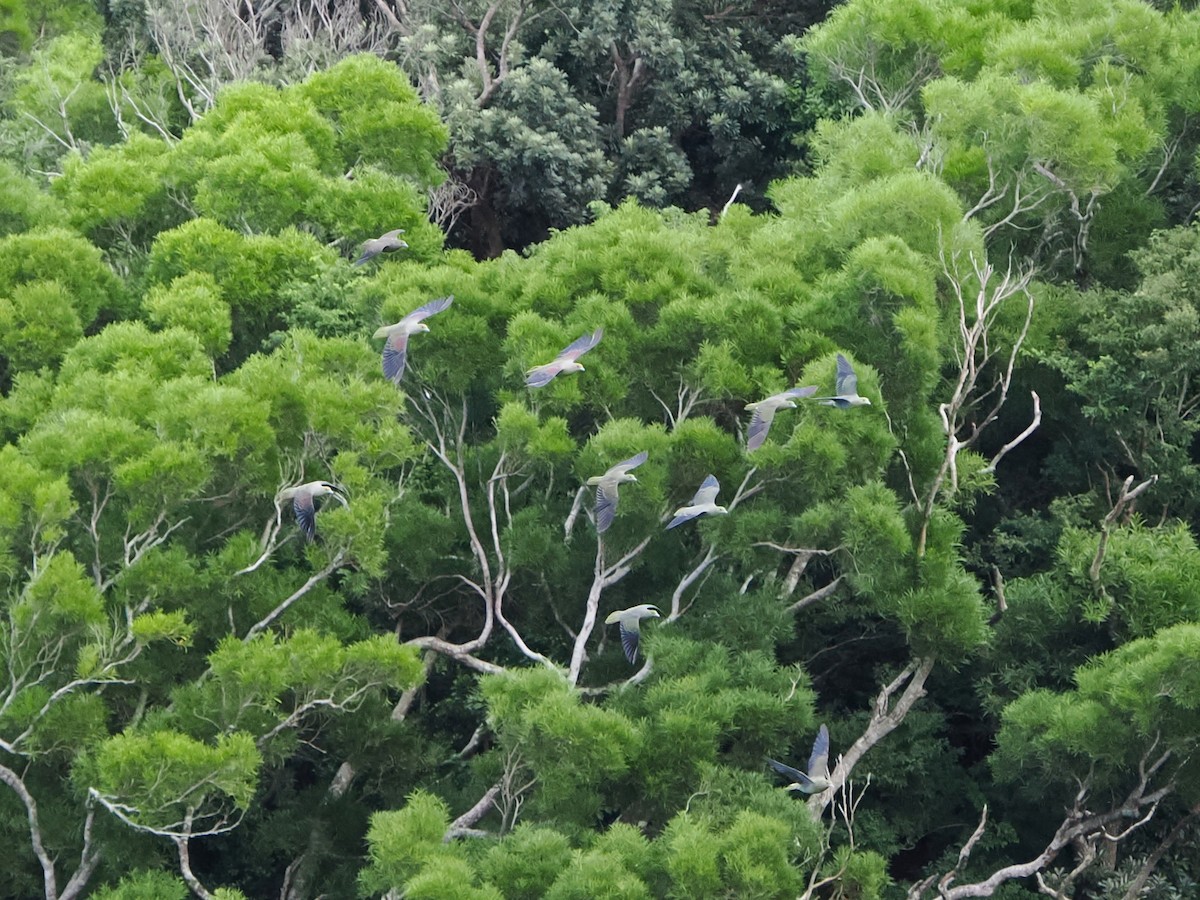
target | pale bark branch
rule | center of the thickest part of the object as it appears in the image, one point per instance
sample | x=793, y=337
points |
x=1124, y=502
x=17, y=784
x=463, y=825
x=1080, y=827
x=885, y=718
x=315, y=579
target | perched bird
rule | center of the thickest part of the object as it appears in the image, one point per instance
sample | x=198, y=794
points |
x=540, y=376
x=630, y=621
x=702, y=504
x=395, y=351
x=817, y=778
x=764, y=413
x=606, y=489
x=385, y=243
x=847, y=388
x=302, y=497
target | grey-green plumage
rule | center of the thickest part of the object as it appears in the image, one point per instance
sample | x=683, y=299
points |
x=764, y=413
x=385, y=243
x=703, y=504
x=303, y=499
x=606, y=489
x=817, y=777
x=395, y=350
x=567, y=360
x=846, y=388
x=630, y=621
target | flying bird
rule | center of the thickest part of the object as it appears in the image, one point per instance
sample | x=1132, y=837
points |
x=385, y=243
x=764, y=413
x=846, y=386
x=817, y=778
x=702, y=504
x=606, y=489
x=630, y=621
x=540, y=376
x=395, y=351
x=303, y=497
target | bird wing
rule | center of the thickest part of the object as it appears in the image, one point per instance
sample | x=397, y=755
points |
x=847, y=381
x=709, y=488
x=395, y=353
x=306, y=513
x=632, y=463
x=580, y=346
x=818, y=762
x=370, y=251
x=606, y=505
x=683, y=514
x=795, y=775
x=390, y=236
x=540, y=376
x=800, y=392
x=630, y=637
x=760, y=424
x=432, y=308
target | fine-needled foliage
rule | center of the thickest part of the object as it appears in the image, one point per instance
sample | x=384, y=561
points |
x=506, y=449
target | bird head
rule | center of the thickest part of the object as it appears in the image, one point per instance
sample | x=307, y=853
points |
x=627, y=477
x=327, y=489
x=422, y=327
x=789, y=404
x=652, y=611
x=720, y=511
x=866, y=401
x=573, y=367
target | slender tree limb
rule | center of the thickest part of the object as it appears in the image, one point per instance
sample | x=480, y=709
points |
x=816, y=596
x=315, y=579
x=710, y=557
x=885, y=718
x=185, y=862
x=603, y=576
x=1029, y=429
x=462, y=826
x=1124, y=501
x=1079, y=826
x=1147, y=868
x=17, y=784
x=728, y=203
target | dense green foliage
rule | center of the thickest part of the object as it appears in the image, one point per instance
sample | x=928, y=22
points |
x=984, y=582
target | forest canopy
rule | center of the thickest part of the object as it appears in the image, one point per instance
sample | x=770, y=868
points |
x=856, y=558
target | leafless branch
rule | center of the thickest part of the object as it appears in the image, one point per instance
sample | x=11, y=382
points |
x=885, y=718
x=816, y=596
x=569, y=524
x=463, y=825
x=1123, y=503
x=17, y=784
x=185, y=861
x=1080, y=827
x=315, y=579
x=985, y=369
x=1029, y=429
x=686, y=398
x=1147, y=867
x=603, y=576
x=677, y=609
